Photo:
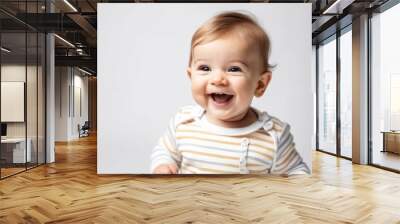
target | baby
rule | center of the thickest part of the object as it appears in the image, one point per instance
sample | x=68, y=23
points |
x=223, y=134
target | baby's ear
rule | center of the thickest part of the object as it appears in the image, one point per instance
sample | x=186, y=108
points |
x=262, y=83
x=189, y=72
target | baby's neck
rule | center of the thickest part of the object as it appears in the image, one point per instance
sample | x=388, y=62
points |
x=249, y=118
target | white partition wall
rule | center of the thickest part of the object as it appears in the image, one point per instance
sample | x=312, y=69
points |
x=143, y=51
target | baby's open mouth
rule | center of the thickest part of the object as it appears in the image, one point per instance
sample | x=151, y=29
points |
x=221, y=98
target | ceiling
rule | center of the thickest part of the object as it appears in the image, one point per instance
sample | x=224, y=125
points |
x=76, y=22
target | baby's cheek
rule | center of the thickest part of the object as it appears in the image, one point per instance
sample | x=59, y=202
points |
x=199, y=98
x=246, y=98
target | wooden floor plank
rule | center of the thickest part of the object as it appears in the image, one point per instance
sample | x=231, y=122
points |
x=70, y=191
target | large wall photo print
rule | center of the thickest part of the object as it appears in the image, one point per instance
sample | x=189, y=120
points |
x=205, y=88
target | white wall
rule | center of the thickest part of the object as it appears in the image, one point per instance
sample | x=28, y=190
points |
x=61, y=103
x=143, y=52
x=68, y=80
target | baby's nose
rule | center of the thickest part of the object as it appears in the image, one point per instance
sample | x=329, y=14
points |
x=219, y=78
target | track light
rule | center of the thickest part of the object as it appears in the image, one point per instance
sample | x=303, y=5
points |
x=5, y=50
x=84, y=71
x=70, y=5
x=64, y=40
x=337, y=7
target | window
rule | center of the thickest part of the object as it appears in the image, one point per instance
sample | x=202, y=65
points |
x=327, y=96
x=385, y=88
x=346, y=93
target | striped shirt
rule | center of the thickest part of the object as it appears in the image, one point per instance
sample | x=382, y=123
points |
x=197, y=146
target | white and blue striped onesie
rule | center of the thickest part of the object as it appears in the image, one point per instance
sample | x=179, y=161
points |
x=198, y=147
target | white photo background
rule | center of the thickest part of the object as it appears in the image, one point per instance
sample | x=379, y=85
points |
x=143, y=52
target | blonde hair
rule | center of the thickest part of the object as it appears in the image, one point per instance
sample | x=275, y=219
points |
x=233, y=22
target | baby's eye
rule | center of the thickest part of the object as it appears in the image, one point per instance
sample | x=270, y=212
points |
x=204, y=68
x=234, y=69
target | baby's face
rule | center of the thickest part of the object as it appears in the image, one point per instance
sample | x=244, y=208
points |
x=226, y=74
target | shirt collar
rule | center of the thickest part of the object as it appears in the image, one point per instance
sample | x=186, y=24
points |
x=262, y=119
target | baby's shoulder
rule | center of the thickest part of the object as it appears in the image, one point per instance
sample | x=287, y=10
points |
x=279, y=125
x=187, y=114
x=272, y=122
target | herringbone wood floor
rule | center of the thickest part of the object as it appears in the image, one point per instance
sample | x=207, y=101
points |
x=70, y=191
